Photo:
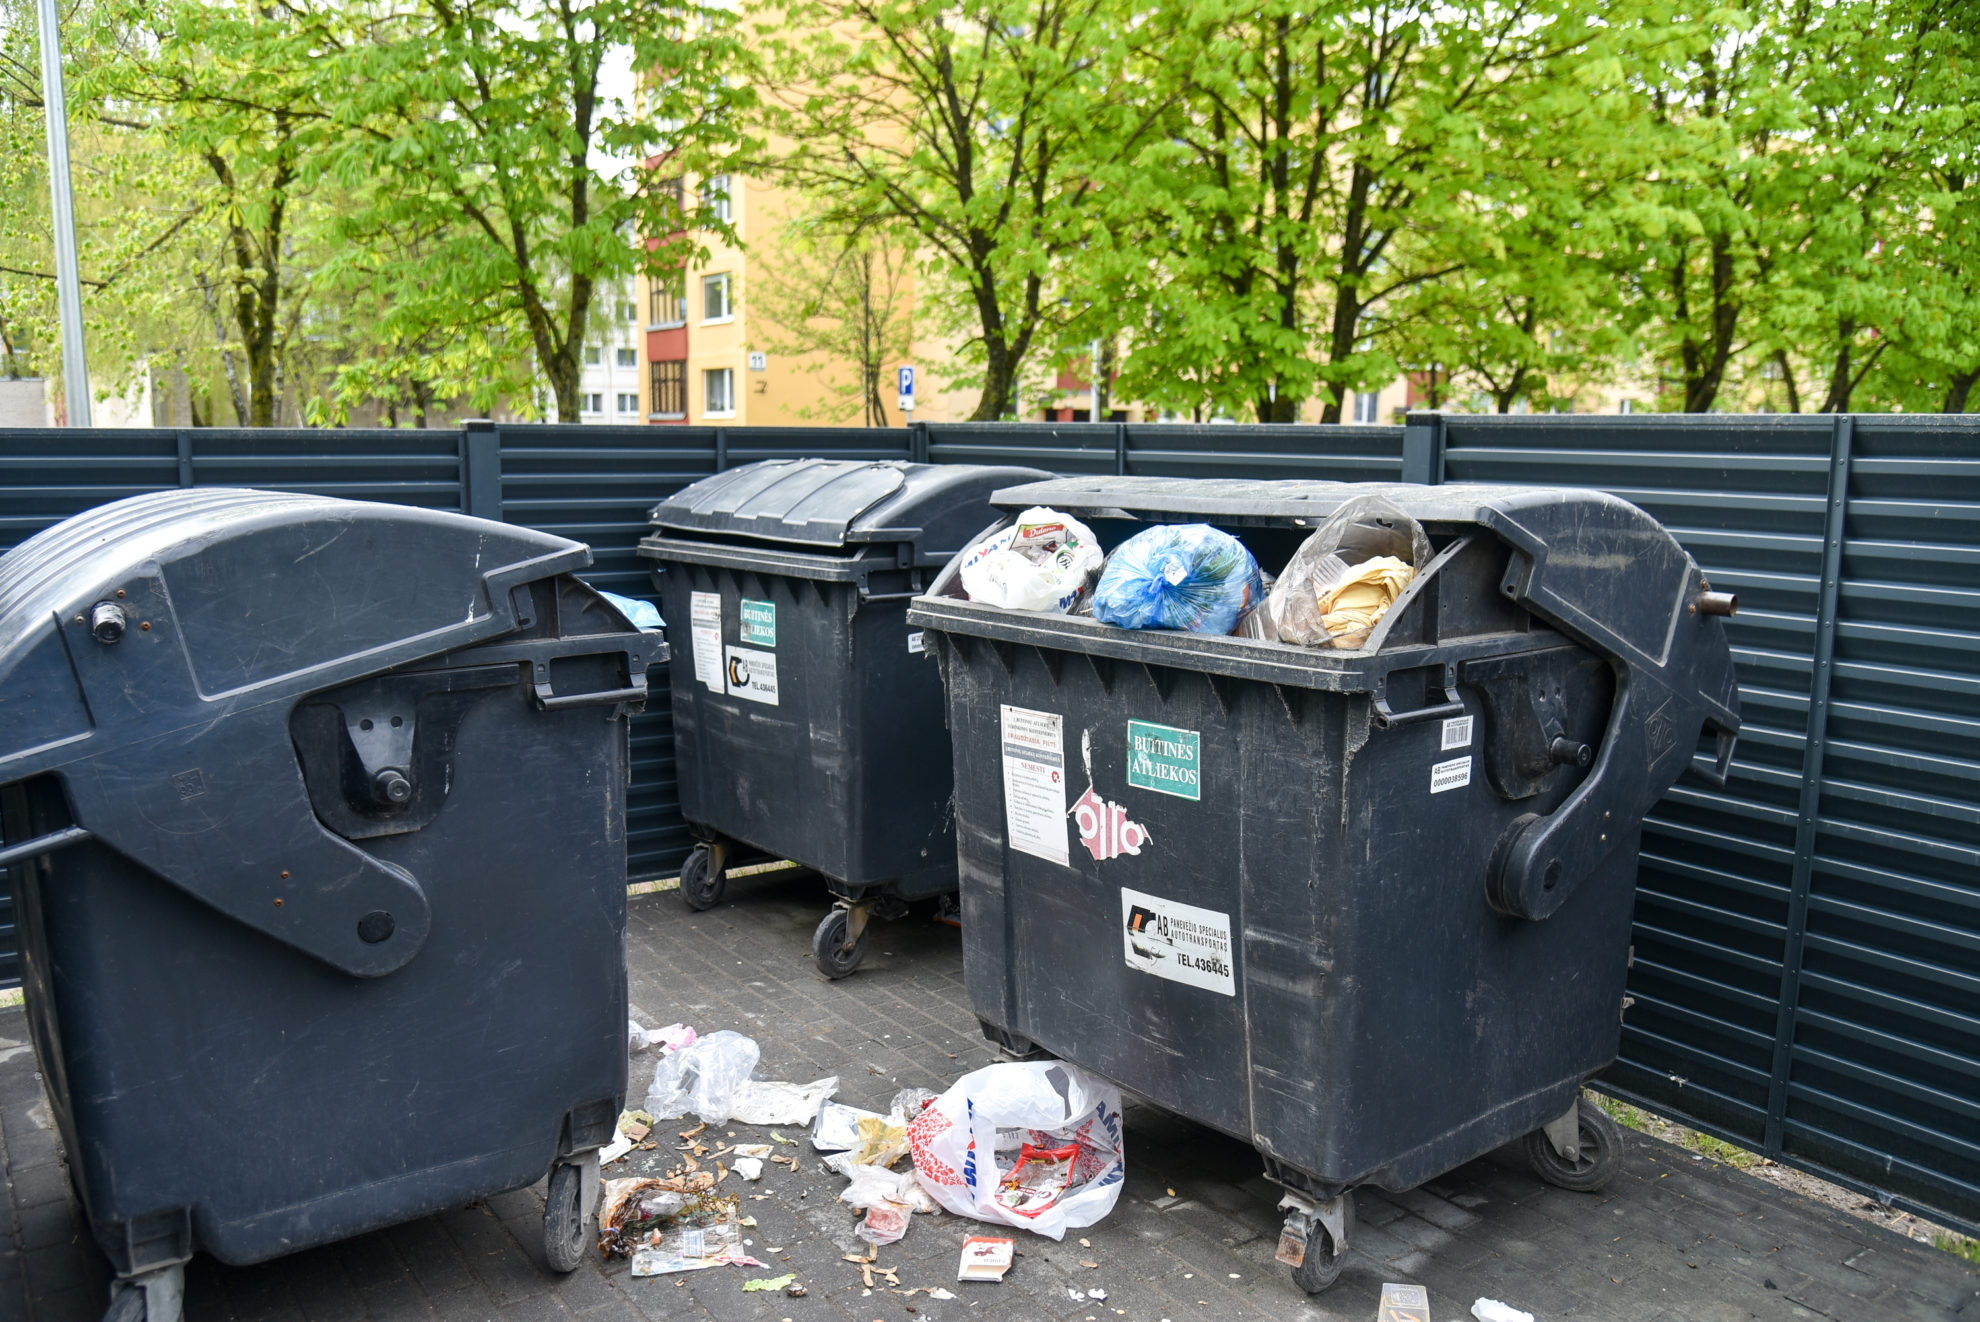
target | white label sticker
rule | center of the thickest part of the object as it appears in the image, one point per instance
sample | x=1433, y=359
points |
x=1457, y=733
x=705, y=633
x=753, y=675
x=914, y=641
x=1452, y=775
x=1179, y=942
x=1035, y=783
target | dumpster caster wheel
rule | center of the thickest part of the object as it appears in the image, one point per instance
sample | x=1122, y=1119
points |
x=567, y=1212
x=702, y=879
x=1599, y=1154
x=833, y=949
x=1326, y=1255
x=156, y=1296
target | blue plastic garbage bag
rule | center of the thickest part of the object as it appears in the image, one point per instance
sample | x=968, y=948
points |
x=1186, y=576
x=641, y=614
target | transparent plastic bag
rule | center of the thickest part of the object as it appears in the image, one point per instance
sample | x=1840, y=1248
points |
x=1187, y=576
x=1343, y=579
x=703, y=1078
x=1045, y=561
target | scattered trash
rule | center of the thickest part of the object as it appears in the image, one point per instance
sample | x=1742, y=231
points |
x=1187, y=576
x=1404, y=1303
x=758, y=1103
x=633, y=1127
x=985, y=1258
x=749, y=1168
x=940, y=1293
x=771, y=1282
x=1491, y=1310
x=911, y=1102
x=777, y=1137
x=1026, y=1115
x=885, y=1223
x=1096, y=1294
x=837, y=1128
x=702, y=1077
x=761, y=1151
x=796, y=1291
x=1077, y=1296
x=1042, y=562
x=665, y=1230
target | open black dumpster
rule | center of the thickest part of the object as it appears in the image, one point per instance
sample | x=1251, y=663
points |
x=315, y=814
x=1366, y=908
x=806, y=725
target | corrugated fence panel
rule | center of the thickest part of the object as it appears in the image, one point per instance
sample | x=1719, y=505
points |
x=1332, y=453
x=1882, y=1080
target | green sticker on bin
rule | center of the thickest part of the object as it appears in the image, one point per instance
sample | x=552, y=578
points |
x=1165, y=759
x=759, y=623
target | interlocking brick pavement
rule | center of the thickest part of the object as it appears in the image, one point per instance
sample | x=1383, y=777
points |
x=1674, y=1239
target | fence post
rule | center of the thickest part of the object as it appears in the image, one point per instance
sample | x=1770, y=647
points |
x=1423, y=449
x=185, y=458
x=1842, y=440
x=918, y=442
x=481, y=469
x=1120, y=449
x=721, y=449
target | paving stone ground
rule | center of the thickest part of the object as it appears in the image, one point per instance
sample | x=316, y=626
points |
x=1674, y=1239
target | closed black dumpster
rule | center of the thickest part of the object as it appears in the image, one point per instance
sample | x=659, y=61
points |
x=806, y=725
x=1365, y=909
x=315, y=814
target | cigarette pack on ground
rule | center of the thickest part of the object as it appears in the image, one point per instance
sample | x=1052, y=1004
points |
x=985, y=1258
x=1404, y=1303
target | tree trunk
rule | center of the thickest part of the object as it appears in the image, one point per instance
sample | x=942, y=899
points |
x=999, y=375
x=1704, y=373
x=1841, y=387
x=1957, y=392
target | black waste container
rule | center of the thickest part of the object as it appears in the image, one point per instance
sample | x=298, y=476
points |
x=1367, y=910
x=806, y=726
x=315, y=816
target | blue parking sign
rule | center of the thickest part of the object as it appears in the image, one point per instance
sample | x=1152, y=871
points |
x=907, y=382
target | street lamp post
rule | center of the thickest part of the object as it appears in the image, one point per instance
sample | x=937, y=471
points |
x=68, y=286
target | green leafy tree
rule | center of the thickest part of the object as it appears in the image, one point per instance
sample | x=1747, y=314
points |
x=993, y=132
x=485, y=149
x=841, y=301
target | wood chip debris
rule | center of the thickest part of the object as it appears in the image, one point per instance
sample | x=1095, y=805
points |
x=695, y=1132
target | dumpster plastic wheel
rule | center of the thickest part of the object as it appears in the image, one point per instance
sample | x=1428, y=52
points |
x=1324, y=1258
x=563, y=1218
x=828, y=946
x=1601, y=1153
x=701, y=882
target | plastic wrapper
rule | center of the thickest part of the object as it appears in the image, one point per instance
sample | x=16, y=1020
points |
x=643, y=615
x=837, y=1128
x=759, y=1103
x=1187, y=576
x=703, y=1078
x=911, y=1102
x=1043, y=562
x=973, y=1137
x=1343, y=579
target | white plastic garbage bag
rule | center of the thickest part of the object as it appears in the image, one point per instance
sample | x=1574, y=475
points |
x=1035, y=1145
x=703, y=1077
x=1042, y=562
x=759, y=1103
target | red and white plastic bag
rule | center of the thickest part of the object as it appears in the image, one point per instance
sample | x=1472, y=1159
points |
x=995, y=1147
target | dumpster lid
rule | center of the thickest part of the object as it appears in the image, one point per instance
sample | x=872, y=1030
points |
x=1278, y=502
x=830, y=504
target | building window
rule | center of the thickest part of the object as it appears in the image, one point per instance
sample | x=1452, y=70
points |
x=715, y=305
x=626, y=357
x=666, y=305
x=593, y=355
x=629, y=401
x=594, y=402
x=675, y=197
x=669, y=385
x=719, y=391
x=715, y=196
x=627, y=312
x=1366, y=404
